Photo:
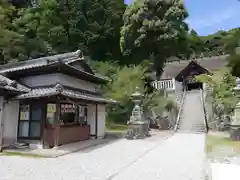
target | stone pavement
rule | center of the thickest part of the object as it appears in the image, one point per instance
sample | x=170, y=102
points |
x=61, y=150
x=192, y=116
x=179, y=157
x=225, y=171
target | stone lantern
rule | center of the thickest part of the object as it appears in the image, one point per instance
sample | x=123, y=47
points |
x=235, y=124
x=138, y=127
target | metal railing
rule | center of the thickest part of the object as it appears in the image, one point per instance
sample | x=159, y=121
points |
x=180, y=111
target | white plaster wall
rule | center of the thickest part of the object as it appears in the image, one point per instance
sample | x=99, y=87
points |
x=51, y=79
x=76, y=83
x=101, y=120
x=11, y=112
x=178, y=86
x=40, y=80
x=91, y=117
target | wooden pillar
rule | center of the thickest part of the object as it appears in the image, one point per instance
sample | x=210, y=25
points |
x=57, y=122
x=96, y=121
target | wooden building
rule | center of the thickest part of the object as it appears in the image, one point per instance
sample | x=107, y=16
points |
x=179, y=74
x=51, y=101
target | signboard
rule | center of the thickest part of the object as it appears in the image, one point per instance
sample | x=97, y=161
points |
x=24, y=112
x=51, y=110
x=68, y=108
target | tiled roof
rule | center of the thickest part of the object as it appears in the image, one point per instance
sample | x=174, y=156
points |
x=10, y=85
x=40, y=62
x=66, y=58
x=172, y=69
x=64, y=91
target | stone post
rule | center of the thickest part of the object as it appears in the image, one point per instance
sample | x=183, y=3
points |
x=235, y=124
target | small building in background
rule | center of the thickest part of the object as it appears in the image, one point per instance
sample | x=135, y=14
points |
x=51, y=101
x=179, y=75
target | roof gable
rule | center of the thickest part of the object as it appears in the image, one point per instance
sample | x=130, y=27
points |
x=192, y=69
x=81, y=65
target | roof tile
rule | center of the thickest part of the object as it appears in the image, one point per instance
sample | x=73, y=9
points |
x=8, y=84
x=52, y=91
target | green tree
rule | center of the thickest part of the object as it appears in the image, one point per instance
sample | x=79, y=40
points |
x=10, y=41
x=123, y=85
x=60, y=26
x=234, y=64
x=232, y=41
x=153, y=28
x=196, y=45
x=222, y=84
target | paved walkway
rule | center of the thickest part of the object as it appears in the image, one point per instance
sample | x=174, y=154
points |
x=192, y=116
x=179, y=157
x=61, y=150
x=225, y=171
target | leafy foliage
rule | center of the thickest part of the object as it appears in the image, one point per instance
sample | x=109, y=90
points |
x=222, y=84
x=10, y=41
x=153, y=28
x=123, y=85
x=62, y=26
x=234, y=63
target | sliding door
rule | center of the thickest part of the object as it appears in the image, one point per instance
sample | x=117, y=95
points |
x=30, y=121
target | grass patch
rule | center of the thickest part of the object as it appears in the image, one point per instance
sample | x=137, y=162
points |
x=215, y=144
x=116, y=127
x=21, y=154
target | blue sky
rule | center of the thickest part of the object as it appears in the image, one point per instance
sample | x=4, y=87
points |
x=209, y=16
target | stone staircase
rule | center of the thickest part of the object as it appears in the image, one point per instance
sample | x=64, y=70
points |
x=192, y=118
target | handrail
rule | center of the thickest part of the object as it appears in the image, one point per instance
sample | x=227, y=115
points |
x=180, y=111
x=204, y=110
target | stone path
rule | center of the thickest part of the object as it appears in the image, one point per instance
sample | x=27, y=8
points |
x=179, y=157
x=225, y=171
x=192, y=117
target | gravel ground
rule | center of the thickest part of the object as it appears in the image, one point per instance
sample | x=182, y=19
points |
x=179, y=157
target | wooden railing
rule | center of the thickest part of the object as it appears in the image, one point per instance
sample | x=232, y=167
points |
x=167, y=84
x=180, y=111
